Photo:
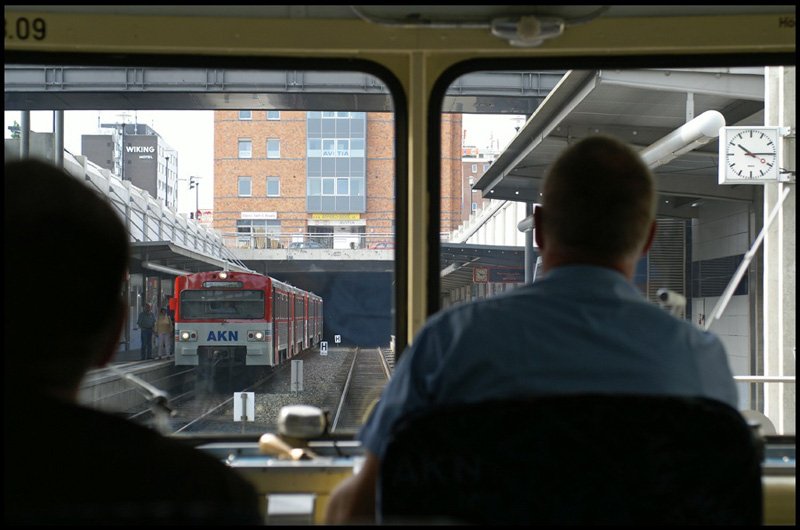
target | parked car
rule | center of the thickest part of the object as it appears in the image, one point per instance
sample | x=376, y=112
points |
x=306, y=244
x=382, y=245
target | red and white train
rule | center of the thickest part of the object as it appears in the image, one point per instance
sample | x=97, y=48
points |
x=227, y=319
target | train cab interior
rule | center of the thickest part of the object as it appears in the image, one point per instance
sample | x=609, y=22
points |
x=408, y=145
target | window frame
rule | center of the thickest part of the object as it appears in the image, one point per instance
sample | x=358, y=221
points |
x=240, y=151
x=239, y=181
x=276, y=180
x=270, y=154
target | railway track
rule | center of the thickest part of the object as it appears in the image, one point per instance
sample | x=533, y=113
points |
x=345, y=383
x=366, y=378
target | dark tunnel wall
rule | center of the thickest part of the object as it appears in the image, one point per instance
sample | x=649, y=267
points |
x=357, y=305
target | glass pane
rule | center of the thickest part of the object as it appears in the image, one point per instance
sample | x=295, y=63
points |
x=244, y=186
x=229, y=326
x=211, y=304
x=493, y=165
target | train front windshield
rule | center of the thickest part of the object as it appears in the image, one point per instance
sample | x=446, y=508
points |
x=219, y=304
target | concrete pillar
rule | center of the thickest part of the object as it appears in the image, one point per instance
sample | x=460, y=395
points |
x=779, y=258
x=58, y=138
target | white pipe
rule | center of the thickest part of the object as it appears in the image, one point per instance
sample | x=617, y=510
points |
x=765, y=378
x=163, y=268
x=688, y=137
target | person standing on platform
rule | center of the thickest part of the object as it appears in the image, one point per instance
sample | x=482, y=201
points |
x=146, y=323
x=163, y=332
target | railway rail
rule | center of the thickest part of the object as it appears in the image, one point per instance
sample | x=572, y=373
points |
x=368, y=374
x=344, y=383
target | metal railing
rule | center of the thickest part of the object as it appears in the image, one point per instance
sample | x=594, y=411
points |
x=310, y=241
x=146, y=218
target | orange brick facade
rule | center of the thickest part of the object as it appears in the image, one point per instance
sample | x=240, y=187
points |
x=452, y=178
x=291, y=169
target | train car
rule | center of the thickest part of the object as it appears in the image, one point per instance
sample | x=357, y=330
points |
x=228, y=320
x=314, y=321
x=565, y=71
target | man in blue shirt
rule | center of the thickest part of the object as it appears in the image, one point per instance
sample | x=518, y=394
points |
x=582, y=328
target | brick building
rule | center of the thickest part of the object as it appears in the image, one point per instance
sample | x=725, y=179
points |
x=316, y=178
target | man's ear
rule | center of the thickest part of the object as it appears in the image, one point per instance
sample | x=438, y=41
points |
x=538, y=232
x=650, y=237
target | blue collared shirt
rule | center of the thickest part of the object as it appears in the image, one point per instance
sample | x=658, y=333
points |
x=578, y=329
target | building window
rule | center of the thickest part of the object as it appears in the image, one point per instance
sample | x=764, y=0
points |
x=486, y=167
x=314, y=147
x=273, y=186
x=258, y=233
x=245, y=148
x=245, y=114
x=335, y=150
x=273, y=148
x=245, y=187
x=342, y=147
x=333, y=147
x=474, y=206
x=474, y=168
x=273, y=114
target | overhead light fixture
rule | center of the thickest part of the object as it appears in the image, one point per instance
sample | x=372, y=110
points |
x=523, y=31
x=688, y=137
x=527, y=31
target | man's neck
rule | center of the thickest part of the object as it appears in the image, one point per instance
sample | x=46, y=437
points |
x=552, y=260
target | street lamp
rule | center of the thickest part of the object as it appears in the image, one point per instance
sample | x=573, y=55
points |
x=194, y=184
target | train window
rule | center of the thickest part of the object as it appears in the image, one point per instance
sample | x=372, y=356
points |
x=257, y=273
x=514, y=121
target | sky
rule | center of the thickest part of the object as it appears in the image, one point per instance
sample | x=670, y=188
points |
x=482, y=129
x=191, y=133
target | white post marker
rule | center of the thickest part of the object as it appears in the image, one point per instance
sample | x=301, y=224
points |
x=297, y=376
x=337, y=339
x=323, y=347
x=244, y=406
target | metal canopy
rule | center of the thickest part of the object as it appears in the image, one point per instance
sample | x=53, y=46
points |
x=640, y=107
x=459, y=259
x=169, y=255
x=38, y=87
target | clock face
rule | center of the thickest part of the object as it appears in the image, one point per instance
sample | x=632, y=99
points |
x=480, y=275
x=749, y=154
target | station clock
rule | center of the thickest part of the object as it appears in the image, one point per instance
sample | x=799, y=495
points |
x=748, y=155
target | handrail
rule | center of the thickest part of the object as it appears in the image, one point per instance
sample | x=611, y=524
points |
x=309, y=240
x=765, y=378
x=146, y=217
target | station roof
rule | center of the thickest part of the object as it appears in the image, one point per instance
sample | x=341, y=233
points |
x=172, y=259
x=459, y=259
x=640, y=107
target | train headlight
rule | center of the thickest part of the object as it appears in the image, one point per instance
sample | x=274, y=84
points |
x=256, y=336
x=187, y=335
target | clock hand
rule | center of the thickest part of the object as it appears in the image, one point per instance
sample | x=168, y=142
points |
x=747, y=153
